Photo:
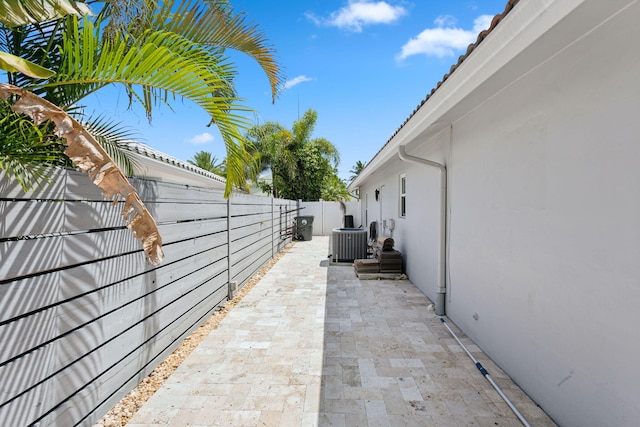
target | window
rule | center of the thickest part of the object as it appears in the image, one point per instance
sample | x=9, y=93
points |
x=403, y=196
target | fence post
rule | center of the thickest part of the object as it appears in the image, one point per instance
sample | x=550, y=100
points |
x=279, y=226
x=273, y=219
x=229, y=287
x=324, y=216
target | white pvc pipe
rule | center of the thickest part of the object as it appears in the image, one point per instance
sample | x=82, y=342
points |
x=442, y=270
x=488, y=377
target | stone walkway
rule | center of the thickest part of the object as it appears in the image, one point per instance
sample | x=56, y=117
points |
x=311, y=345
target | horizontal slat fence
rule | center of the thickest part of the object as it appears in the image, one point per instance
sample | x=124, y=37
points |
x=84, y=317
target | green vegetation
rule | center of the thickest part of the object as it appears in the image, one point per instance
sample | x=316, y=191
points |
x=207, y=161
x=356, y=169
x=334, y=189
x=302, y=167
x=157, y=51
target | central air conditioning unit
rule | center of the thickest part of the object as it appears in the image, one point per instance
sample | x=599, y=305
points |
x=348, y=244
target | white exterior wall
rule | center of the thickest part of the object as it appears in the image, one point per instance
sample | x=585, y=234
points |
x=545, y=232
x=543, y=205
x=416, y=235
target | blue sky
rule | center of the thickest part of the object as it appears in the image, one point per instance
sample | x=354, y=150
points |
x=363, y=65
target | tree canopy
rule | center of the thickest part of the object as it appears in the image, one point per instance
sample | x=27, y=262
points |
x=209, y=162
x=356, y=169
x=302, y=167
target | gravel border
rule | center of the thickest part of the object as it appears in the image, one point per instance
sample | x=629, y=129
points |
x=129, y=405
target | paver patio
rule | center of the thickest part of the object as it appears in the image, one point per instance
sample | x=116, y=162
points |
x=312, y=345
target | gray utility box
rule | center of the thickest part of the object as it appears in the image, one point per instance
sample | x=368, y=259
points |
x=348, y=244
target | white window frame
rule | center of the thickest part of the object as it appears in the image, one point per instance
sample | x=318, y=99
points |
x=402, y=199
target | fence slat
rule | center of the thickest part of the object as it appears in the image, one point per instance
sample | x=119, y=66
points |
x=83, y=315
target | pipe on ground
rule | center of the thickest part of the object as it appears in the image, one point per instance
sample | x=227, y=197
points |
x=484, y=372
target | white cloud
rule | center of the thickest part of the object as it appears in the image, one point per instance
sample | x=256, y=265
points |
x=445, y=21
x=482, y=22
x=444, y=40
x=296, y=81
x=202, y=138
x=359, y=13
x=313, y=18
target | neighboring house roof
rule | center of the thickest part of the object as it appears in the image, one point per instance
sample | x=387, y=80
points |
x=481, y=36
x=156, y=165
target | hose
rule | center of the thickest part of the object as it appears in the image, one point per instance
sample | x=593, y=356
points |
x=484, y=372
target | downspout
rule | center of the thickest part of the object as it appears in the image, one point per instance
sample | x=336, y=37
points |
x=442, y=269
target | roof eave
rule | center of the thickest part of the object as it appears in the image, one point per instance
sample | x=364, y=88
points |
x=483, y=71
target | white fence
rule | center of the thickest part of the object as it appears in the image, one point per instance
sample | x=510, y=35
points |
x=84, y=317
x=330, y=215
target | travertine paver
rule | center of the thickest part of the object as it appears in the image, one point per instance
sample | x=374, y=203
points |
x=311, y=345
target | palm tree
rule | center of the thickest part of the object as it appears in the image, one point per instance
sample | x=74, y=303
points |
x=298, y=163
x=335, y=190
x=166, y=50
x=169, y=49
x=356, y=169
x=207, y=161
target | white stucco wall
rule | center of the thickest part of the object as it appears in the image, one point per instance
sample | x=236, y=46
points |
x=545, y=230
x=416, y=235
x=544, y=210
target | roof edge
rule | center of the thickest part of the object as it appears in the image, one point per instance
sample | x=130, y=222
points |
x=147, y=151
x=481, y=36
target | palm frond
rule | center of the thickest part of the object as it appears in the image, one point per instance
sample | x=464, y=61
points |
x=122, y=17
x=115, y=138
x=14, y=13
x=30, y=43
x=27, y=151
x=303, y=127
x=90, y=157
x=165, y=50
x=163, y=62
x=154, y=67
x=327, y=149
x=15, y=64
x=213, y=23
